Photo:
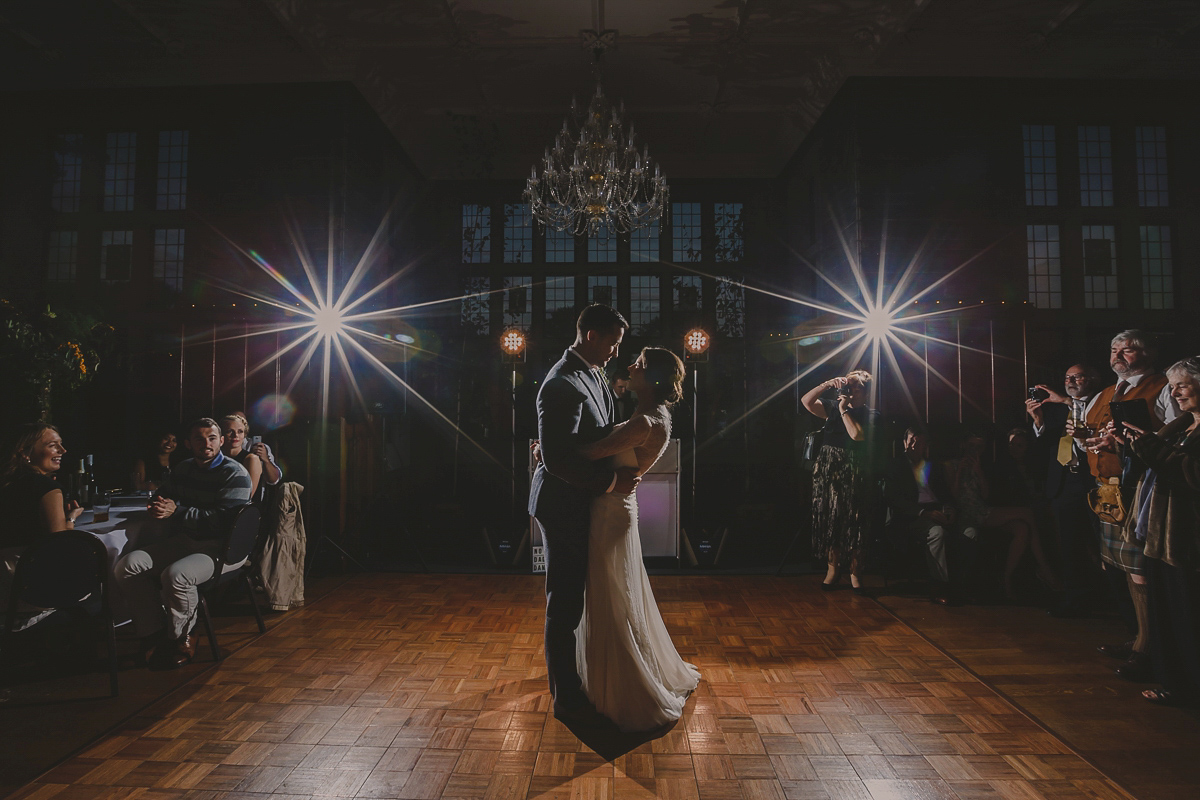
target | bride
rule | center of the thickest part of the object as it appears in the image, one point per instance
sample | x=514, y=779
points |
x=630, y=669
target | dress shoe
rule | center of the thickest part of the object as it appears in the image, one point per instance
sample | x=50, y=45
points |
x=1122, y=651
x=175, y=653
x=1137, y=668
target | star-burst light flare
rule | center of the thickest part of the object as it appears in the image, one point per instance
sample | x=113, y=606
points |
x=333, y=328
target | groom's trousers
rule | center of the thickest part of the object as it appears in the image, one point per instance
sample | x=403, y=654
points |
x=565, y=535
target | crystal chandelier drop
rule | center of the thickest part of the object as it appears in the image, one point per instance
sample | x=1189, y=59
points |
x=594, y=177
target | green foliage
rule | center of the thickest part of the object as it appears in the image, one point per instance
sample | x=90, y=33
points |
x=40, y=349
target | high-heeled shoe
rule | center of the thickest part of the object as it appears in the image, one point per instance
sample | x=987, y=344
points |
x=832, y=585
x=859, y=590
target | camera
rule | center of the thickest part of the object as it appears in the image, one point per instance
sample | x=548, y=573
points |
x=844, y=391
x=1038, y=394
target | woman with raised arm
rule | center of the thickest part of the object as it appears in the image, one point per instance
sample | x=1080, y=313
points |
x=235, y=428
x=843, y=492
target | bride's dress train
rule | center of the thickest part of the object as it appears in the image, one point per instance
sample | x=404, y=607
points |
x=629, y=666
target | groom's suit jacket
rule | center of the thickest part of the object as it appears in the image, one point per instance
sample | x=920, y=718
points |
x=574, y=407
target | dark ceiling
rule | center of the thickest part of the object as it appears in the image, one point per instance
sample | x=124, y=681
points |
x=716, y=87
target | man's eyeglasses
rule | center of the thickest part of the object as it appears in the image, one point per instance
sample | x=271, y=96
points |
x=1076, y=378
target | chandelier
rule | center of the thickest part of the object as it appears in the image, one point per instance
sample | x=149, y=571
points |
x=594, y=177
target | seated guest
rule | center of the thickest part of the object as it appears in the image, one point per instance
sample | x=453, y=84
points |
x=918, y=500
x=234, y=429
x=971, y=491
x=32, y=502
x=150, y=470
x=194, y=501
x=1017, y=476
x=1165, y=518
x=237, y=432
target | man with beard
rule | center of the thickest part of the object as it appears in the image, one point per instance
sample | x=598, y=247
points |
x=1068, y=481
x=1131, y=357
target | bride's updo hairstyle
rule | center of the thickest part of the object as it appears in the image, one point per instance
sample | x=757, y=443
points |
x=664, y=373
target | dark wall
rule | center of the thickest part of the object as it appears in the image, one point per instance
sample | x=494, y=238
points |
x=937, y=178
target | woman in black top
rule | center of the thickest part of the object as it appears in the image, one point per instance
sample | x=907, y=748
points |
x=150, y=471
x=843, y=496
x=32, y=501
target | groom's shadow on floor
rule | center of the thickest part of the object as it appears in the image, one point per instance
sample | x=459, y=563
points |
x=608, y=741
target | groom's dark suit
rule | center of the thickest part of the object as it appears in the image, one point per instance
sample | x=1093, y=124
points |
x=575, y=407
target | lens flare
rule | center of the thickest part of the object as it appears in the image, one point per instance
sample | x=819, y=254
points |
x=272, y=412
x=329, y=322
x=869, y=323
x=877, y=323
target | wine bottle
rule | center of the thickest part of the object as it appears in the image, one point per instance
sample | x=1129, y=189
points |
x=81, y=483
x=93, y=486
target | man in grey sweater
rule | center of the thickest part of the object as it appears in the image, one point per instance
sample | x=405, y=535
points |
x=195, y=502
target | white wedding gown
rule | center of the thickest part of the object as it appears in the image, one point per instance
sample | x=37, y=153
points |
x=629, y=666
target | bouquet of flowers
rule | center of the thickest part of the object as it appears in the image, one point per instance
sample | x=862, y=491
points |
x=44, y=349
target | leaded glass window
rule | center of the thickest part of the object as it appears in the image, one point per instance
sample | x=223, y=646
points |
x=476, y=234
x=731, y=243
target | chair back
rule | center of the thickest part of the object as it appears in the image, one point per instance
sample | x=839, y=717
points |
x=243, y=535
x=60, y=569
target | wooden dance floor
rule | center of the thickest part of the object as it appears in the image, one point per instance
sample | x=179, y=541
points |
x=415, y=686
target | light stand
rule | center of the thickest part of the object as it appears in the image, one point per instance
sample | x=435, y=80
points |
x=695, y=351
x=513, y=345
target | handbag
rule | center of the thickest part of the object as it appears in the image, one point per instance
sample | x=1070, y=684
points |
x=1108, y=502
x=812, y=444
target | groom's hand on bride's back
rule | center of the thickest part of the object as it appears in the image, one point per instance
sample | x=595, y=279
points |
x=535, y=447
x=627, y=480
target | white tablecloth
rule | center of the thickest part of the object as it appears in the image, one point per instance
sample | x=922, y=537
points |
x=122, y=529
x=126, y=524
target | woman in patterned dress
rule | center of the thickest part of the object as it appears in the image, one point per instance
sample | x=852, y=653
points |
x=843, y=490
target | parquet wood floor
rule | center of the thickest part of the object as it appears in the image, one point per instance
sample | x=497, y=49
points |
x=1050, y=667
x=412, y=686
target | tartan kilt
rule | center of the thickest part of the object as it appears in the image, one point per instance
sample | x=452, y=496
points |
x=1121, y=549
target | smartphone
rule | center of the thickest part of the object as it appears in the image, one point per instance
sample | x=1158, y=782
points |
x=1135, y=412
x=253, y=440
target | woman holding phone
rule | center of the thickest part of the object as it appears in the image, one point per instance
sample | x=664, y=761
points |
x=843, y=497
x=1164, y=519
x=235, y=427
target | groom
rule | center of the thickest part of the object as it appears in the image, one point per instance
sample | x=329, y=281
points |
x=575, y=407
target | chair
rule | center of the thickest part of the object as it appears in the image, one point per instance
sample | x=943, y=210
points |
x=62, y=570
x=233, y=563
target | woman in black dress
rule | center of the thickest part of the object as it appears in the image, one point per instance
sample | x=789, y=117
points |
x=32, y=501
x=151, y=470
x=843, y=492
